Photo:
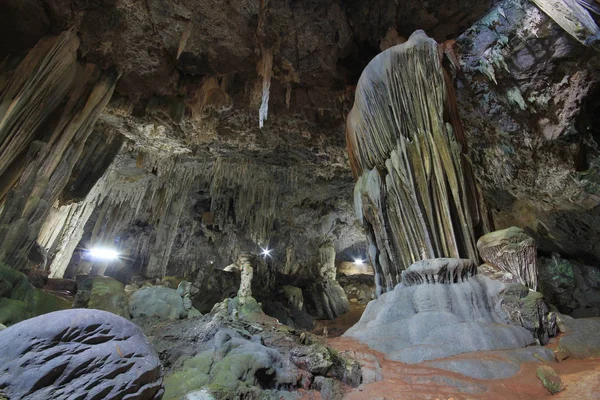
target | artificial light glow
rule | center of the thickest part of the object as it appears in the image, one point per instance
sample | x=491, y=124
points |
x=358, y=261
x=266, y=252
x=104, y=254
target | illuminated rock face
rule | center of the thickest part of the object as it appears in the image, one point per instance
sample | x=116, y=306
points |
x=415, y=189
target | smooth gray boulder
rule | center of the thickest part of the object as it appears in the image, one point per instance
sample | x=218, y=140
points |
x=78, y=354
x=157, y=301
x=430, y=319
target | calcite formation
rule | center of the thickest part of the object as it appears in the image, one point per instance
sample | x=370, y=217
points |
x=445, y=317
x=513, y=251
x=48, y=89
x=415, y=187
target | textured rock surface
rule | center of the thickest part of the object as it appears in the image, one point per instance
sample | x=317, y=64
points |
x=581, y=339
x=513, y=251
x=573, y=287
x=526, y=95
x=83, y=354
x=157, y=301
x=108, y=294
x=436, y=320
x=528, y=309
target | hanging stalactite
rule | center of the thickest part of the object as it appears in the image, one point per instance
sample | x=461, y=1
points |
x=415, y=186
x=47, y=112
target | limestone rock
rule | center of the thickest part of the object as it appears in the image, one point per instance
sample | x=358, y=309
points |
x=581, y=339
x=315, y=358
x=550, y=379
x=439, y=270
x=84, y=354
x=429, y=321
x=157, y=301
x=108, y=294
x=21, y=300
x=527, y=309
x=513, y=251
x=573, y=287
x=214, y=286
x=326, y=300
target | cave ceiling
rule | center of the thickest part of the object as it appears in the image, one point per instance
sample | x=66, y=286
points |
x=189, y=79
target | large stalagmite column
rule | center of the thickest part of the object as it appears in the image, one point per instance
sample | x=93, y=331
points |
x=47, y=111
x=415, y=189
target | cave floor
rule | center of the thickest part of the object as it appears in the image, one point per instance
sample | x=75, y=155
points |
x=405, y=381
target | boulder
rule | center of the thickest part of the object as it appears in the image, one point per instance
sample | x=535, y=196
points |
x=83, y=354
x=20, y=300
x=157, y=301
x=108, y=294
x=2, y=327
x=443, y=313
x=527, y=308
x=512, y=251
x=550, y=379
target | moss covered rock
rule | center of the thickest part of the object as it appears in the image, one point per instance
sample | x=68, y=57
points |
x=550, y=379
x=108, y=294
x=21, y=300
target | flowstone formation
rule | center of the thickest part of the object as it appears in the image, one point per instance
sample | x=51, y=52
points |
x=444, y=309
x=415, y=186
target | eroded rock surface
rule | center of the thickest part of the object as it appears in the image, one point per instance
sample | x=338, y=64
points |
x=84, y=354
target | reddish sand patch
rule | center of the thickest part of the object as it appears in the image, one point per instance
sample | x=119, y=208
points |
x=404, y=381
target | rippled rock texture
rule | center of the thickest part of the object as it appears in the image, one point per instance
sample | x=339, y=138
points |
x=83, y=354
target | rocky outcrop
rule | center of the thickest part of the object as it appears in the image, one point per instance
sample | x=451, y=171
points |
x=437, y=318
x=571, y=286
x=84, y=354
x=325, y=298
x=526, y=93
x=512, y=251
x=20, y=300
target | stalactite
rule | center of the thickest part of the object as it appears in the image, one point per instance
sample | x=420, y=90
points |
x=415, y=186
x=265, y=70
x=573, y=18
x=50, y=89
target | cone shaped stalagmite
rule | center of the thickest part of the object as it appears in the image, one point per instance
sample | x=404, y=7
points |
x=415, y=188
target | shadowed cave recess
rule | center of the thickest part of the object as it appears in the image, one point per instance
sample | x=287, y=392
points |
x=268, y=199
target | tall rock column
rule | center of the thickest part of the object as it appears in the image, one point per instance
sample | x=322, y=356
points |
x=47, y=111
x=415, y=189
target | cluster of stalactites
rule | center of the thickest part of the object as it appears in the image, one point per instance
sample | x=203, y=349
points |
x=249, y=193
x=414, y=184
x=49, y=104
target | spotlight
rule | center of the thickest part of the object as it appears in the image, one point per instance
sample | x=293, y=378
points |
x=266, y=252
x=103, y=254
x=358, y=261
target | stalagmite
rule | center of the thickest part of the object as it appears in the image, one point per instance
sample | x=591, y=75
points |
x=415, y=188
x=513, y=251
x=49, y=87
x=245, y=264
